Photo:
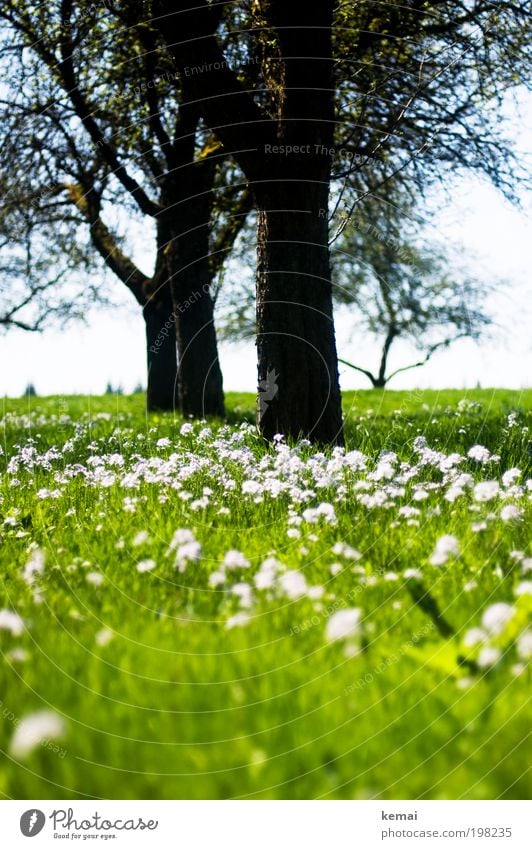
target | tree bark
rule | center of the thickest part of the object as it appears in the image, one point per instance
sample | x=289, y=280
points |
x=159, y=318
x=199, y=376
x=299, y=394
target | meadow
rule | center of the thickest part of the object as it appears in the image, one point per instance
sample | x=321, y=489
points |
x=186, y=612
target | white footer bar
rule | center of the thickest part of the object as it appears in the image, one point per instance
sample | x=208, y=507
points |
x=267, y=824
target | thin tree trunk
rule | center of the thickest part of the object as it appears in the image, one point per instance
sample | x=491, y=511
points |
x=299, y=394
x=200, y=382
x=161, y=348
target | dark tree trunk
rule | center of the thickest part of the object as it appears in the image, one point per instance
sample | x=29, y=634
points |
x=200, y=382
x=296, y=338
x=299, y=392
x=159, y=318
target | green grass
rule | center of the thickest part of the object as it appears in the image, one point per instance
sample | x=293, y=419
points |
x=177, y=705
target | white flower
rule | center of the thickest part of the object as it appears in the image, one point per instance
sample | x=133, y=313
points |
x=216, y=578
x=17, y=655
x=237, y=621
x=524, y=645
x=180, y=537
x=235, y=560
x=343, y=624
x=243, y=592
x=186, y=429
x=94, y=578
x=510, y=513
x=524, y=588
x=414, y=574
x=479, y=453
x=293, y=584
x=189, y=552
x=485, y=491
x=496, y=617
x=510, y=477
x=104, y=637
x=12, y=622
x=164, y=442
x=488, y=656
x=474, y=636
x=146, y=565
x=343, y=550
x=35, y=729
x=251, y=487
x=140, y=538
x=34, y=566
x=447, y=546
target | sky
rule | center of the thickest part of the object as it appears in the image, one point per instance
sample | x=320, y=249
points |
x=497, y=239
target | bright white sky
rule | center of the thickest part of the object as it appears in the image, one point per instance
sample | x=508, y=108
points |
x=83, y=359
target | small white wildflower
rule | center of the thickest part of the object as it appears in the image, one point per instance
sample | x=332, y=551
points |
x=446, y=547
x=243, y=592
x=524, y=645
x=17, y=655
x=343, y=624
x=496, y=617
x=485, y=491
x=510, y=513
x=34, y=566
x=146, y=565
x=189, y=552
x=35, y=729
x=479, y=453
x=216, y=578
x=181, y=536
x=251, y=487
x=510, y=477
x=163, y=442
x=293, y=584
x=12, y=622
x=140, y=538
x=238, y=620
x=94, y=578
x=235, y=560
x=186, y=429
x=488, y=656
x=474, y=636
x=315, y=592
x=413, y=574
x=104, y=637
x=524, y=588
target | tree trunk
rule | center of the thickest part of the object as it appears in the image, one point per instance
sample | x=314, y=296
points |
x=159, y=318
x=299, y=394
x=200, y=382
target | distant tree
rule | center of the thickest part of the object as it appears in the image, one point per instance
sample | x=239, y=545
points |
x=46, y=277
x=422, y=301
x=30, y=391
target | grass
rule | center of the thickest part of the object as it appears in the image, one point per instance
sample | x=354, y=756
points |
x=159, y=697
